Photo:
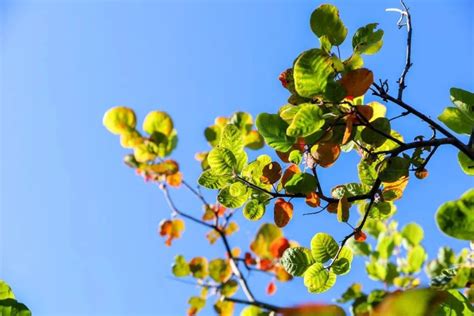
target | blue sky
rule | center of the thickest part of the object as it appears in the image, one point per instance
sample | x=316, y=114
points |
x=78, y=228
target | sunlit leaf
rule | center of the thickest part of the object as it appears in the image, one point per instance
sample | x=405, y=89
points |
x=219, y=270
x=196, y=303
x=457, y=120
x=325, y=21
x=366, y=40
x=253, y=210
x=312, y=199
x=273, y=130
x=199, y=267
x=283, y=212
x=311, y=72
x=326, y=154
x=230, y=201
x=456, y=218
x=222, y=161
x=306, y=121
x=343, y=207
x=278, y=247
x=209, y=179
x=180, y=267
x=342, y=264
x=158, y=122
x=229, y=288
x=224, y=308
x=301, y=183
x=413, y=233
x=466, y=163
x=357, y=82
x=296, y=260
x=265, y=236
x=318, y=279
x=323, y=247
x=119, y=120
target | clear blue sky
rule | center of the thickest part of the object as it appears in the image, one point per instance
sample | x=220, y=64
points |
x=78, y=228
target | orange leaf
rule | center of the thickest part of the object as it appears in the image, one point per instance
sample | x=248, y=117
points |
x=271, y=288
x=278, y=246
x=281, y=274
x=175, y=179
x=347, y=131
x=249, y=260
x=360, y=236
x=265, y=264
x=271, y=173
x=313, y=200
x=357, y=82
x=283, y=212
x=289, y=172
x=165, y=227
x=326, y=154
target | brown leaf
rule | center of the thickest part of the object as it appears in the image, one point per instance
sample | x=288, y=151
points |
x=357, y=82
x=283, y=212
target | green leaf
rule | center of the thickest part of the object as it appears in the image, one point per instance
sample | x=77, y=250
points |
x=242, y=120
x=273, y=129
x=367, y=172
x=415, y=258
x=323, y=247
x=5, y=291
x=372, y=137
x=457, y=120
x=219, y=270
x=232, y=139
x=296, y=260
x=354, y=62
x=222, y=161
x=466, y=163
x=366, y=40
x=375, y=270
x=456, y=218
x=210, y=180
x=228, y=200
x=385, y=246
x=318, y=279
x=119, y=120
x=213, y=134
x=11, y=307
x=352, y=292
x=253, y=311
x=253, y=210
x=464, y=101
x=180, y=267
x=413, y=233
x=325, y=21
x=158, y=122
x=229, y=288
x=295, y=157
x=311, y=72
x=306, y=121
x=237, y=189
x=196, y=303
x=342, y=265
x=325, y=44
x=392, y=169
x=301, y=183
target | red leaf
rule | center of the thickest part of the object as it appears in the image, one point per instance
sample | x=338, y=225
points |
x=271, y=288
x=360, y=236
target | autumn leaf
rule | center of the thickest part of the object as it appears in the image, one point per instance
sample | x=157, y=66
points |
x=360, y=236
x=312, y=200
x=271, y=288
x=278, y=246
x=357, y=82
x=271, y=173
x=283, y=212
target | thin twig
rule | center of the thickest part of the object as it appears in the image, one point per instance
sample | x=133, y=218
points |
x=255, y=303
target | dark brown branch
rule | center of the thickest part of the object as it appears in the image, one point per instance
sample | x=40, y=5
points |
x=254, y=303
x=408, y=63
x=380, y=92
x=235, y=268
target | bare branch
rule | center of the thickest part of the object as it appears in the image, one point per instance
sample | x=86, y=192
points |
x=254, y=303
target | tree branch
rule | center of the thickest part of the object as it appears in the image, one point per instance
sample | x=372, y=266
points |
x=254, y=303
x=232, y=261
x=382, y=93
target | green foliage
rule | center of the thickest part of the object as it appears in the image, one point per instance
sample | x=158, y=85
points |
x=325, y=22
x=460, y=118
x=367, y=40
x=311, y=72
x=323, y=247
x=456, y=219
x=9, y=306
x=326, y=116
x=297, y=260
